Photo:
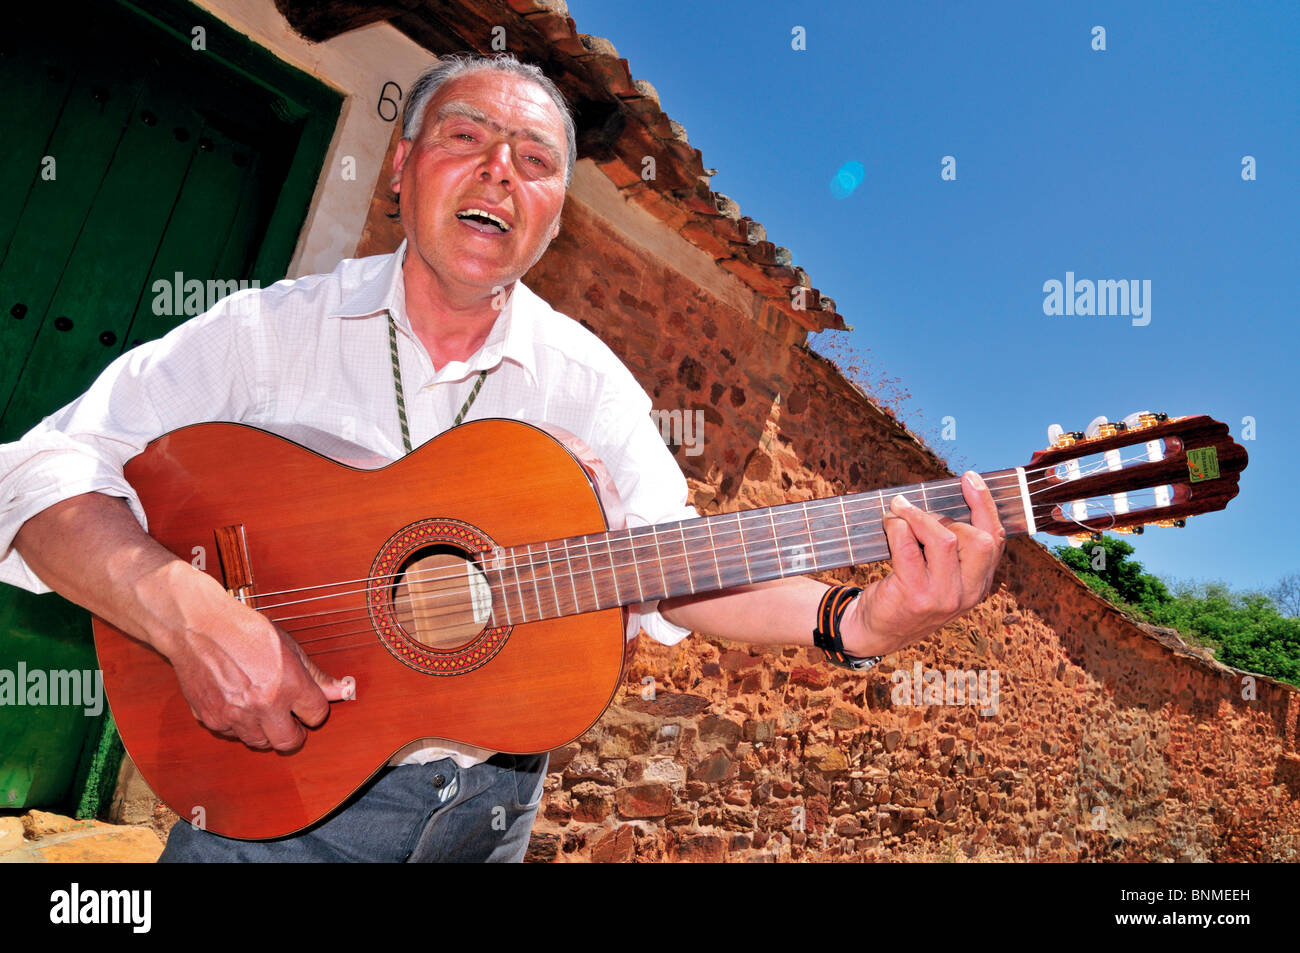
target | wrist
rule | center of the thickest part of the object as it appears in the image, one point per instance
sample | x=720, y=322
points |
x=171, y=596
x=834, y=638
x=856, y=634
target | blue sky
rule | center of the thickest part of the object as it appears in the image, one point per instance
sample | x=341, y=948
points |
x=1117, y=164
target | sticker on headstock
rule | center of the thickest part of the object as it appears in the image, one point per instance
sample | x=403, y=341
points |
x=1203, y=464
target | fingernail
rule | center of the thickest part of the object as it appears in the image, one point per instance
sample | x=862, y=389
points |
x=976, y=480
x=349, y=688
x=901, y=502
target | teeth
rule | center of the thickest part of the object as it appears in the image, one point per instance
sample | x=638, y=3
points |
x=487, y=216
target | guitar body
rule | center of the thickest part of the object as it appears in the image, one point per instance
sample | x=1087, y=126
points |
x=307, y=521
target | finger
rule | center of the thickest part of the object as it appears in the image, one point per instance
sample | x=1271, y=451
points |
x=252, y=736
x=311, y=706
x=983, y=509
x=332, y=689
x=977, y=555
x=904, y=550
x=284, y=732
x=940, y=543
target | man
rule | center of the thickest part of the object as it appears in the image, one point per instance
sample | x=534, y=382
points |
x=481, y=172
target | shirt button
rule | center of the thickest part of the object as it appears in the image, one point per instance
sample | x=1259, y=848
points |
x=439, y=780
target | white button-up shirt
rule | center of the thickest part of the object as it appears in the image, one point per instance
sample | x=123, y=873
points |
x=309, y=359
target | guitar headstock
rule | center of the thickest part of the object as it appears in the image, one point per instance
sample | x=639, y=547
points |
x=1118, y=477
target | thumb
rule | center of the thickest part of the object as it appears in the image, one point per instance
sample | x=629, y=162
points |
x=334, y=689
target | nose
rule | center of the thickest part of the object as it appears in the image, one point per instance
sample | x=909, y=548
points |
x=496, y=165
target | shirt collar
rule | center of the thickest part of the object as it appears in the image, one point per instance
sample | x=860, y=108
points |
x=512, y=336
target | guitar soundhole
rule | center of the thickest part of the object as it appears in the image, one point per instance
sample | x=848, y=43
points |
x=441, y=598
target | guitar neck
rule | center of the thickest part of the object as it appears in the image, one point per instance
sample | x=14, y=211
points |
x=625, y=567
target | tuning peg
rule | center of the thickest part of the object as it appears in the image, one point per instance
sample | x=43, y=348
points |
x=1143, y=419
x=1078, y=539
x=1171, y=524
x=1102, y=427
x=1058, y=437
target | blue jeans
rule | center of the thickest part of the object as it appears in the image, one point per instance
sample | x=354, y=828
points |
x=416, y=813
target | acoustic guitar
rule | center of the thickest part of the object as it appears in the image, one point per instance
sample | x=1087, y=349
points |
x=476, y=588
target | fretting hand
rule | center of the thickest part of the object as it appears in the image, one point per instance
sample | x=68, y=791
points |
x=941, y=569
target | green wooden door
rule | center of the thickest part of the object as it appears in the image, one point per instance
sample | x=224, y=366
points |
x=135, y=170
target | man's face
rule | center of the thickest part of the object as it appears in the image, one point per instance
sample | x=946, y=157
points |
x=490, y=153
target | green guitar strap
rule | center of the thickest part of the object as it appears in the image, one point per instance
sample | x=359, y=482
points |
x=401, y=400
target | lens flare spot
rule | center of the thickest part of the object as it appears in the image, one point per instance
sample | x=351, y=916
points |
x=847, y=179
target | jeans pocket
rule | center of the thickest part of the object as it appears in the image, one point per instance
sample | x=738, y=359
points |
x=530, y=776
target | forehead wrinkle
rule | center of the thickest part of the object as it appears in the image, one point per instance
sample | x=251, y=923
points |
x=457, y=108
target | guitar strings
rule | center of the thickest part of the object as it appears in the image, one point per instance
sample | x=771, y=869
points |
x=369, y=631
x=517, y=561
x=460, y=594
x=538, y=585
x=428, y=602
x=528, y=560
x=628, y=545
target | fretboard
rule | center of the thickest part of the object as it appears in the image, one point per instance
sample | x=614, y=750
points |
x=578, y=574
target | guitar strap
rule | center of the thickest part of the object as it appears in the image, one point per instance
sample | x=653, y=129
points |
x=401, y=400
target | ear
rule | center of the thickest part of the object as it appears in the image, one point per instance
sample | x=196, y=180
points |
x=399, y=160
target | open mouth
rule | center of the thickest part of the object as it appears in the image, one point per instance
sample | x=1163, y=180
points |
x=483, y=221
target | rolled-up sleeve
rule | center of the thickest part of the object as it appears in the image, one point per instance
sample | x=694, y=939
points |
x=193, y=373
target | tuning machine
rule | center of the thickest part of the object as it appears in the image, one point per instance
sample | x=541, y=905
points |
x=1059, y=438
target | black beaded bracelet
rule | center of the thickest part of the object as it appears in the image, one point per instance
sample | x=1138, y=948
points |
x=827, y=634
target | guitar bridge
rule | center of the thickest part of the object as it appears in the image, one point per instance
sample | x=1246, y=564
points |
x=236, y=567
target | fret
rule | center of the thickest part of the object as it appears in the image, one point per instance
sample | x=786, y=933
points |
x=721, y=529
x=631, y=548
x=686, y=558
x=497, y=585
x=867, y=527
x=573, y=582
x=791, y=558
x=613, y=571
x=514, y=563
x=537, y=591
x=925, y=504
x=659, y=558
x=812, y=547
x=591, y=573
x=607, y=568
x=764, y=549
x=824, y=521
x=744, y=551
x=550, y=571
x=848, y=537
x=708, y=524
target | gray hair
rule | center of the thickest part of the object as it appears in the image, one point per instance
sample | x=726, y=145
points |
x=462, y=64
